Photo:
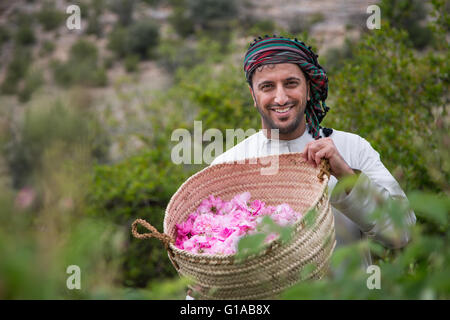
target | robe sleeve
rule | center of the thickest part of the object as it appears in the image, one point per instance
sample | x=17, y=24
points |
x=373, y=188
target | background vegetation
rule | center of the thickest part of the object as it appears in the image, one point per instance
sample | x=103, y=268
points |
x=85, y=137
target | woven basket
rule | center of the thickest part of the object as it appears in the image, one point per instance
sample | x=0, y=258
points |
x=278, y=267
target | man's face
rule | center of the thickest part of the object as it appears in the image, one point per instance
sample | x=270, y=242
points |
x=280, y=93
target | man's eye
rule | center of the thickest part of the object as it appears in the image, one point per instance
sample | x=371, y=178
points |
x=266, y=86
x=292, y=83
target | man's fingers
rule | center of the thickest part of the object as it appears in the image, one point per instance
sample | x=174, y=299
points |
x=305, y=153
x=320, y=154
x=316, y=150
x=311, y=154
x=308, y=150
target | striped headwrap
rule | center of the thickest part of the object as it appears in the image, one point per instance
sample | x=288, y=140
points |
x=273, y=50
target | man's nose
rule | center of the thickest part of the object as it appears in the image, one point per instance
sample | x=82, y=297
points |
x=280, y=96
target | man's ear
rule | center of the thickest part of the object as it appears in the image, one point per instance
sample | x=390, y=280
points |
x=253, y=95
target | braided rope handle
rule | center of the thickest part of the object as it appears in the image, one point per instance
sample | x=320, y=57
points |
x=324, y=169
x=164, y=238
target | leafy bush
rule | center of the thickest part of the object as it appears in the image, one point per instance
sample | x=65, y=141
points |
x=299, y=24
x=154, y=3
x=94, y=25
x=25, y=35
x=16, y=70
x=181, y=22
x=131, y=63
x=46, y=123
x=4, y=35
x=117, y=41
x=372, y=95
x=139, y=187
x=181, y=54
x=141, y=38
x=47, y=47
x=33, y=80
x=45, y=232
x=93, y=13
x=124, y=9
x=211, y=16
x=336, y=57
x=409, y=16
x=49, y=16
x=262, y=27
x=81, y=68
x=419, y=271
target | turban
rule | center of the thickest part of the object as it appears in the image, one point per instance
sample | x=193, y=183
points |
x=273, y=50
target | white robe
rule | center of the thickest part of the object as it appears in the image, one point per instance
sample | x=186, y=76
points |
x=351, y=212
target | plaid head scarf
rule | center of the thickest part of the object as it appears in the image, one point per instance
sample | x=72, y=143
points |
x=273, y=50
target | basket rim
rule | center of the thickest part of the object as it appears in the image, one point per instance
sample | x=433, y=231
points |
x=246, y=161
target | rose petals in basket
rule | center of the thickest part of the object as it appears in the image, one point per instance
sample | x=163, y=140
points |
x=217, y=226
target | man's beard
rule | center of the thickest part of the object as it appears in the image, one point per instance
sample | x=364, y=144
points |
x=284, y=130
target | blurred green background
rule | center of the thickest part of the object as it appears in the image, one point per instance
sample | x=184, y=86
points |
x=86, y=118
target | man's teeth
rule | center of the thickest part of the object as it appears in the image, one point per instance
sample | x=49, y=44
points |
x=281, y=110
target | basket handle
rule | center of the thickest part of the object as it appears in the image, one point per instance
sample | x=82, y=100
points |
x=164, y=238
x=324, y=169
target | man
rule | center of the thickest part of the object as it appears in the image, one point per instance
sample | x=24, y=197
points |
x=289, y=89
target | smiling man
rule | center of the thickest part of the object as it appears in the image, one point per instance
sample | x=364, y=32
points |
x=289, y=89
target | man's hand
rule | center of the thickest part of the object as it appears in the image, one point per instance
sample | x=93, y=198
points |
x=325, y=148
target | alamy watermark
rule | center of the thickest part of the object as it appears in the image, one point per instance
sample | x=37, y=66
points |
x=374, y=280
x=74, y=20
x=190, y=148
x=74, y=280
x=374, y=20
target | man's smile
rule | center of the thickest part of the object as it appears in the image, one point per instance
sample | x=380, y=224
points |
x=284, y=111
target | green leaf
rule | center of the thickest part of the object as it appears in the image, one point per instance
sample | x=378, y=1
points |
x=250, y=244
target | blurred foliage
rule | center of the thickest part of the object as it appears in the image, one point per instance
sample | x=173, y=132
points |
x=213, y=17
x=299, y=24
x=25, y=35
x=33, y=80
x=224, y=103
x=185, y=54
x=94, y=18
x=37, y=245
x=335, y=57
x=131, y=63
x=48, y=122
x=4, y=35
x=47, y=48
x=140, y=38
x=82, y=67
x=409, y=15
x=262, y=26
x=124, y=10
x=43, y=226
x=49, y=16
x=117, y=41
x=140, y=186
x=374, y=88
x=16, y=70
x=253, y=244
x=419, y=271
x=155, y=3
